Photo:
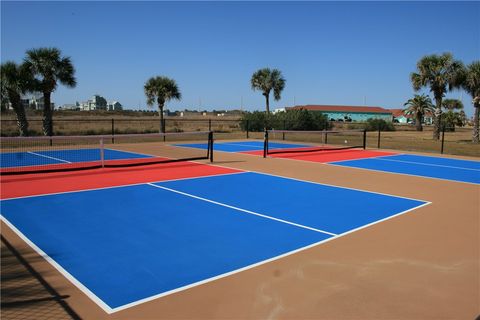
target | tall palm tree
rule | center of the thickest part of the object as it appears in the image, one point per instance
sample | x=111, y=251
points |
x=452, y=104
x=161, y=89
x=418, y=106
x=471, y=84
x=440, y=73
x=14, y=82
x=266, y=80
x=49, y=67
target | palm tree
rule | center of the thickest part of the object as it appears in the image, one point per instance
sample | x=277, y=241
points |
x=452, y=104
x=440, y=73
x=49, y=68
x=14, y=82
x=267, y=80
x=471, y=84
x=418, y=106
x=161, y=89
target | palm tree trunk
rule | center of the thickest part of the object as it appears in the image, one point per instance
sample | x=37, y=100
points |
x=47, y=115
x=475, y=135
x=22, y=122
x=267, y=108
x=419, y=122
x=162, y=123
x=437, y=117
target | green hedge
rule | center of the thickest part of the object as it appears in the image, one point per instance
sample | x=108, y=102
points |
x=289, y=120
x=376, y=124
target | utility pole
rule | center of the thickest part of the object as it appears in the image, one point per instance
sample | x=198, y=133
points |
x=364, y=100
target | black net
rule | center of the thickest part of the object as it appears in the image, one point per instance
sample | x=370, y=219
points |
x=288, y=141
x=65, y=153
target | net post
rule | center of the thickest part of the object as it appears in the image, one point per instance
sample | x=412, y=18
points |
x=265, y=144
x=209, y=124
x=102, y=153
x=210, y=146
x=364, y=139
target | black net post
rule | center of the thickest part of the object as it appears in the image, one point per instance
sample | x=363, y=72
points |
x=443, y=139
x=210, y=146
x=265, y=144
x=378, y=138
x=364, y=139
x=209, y=124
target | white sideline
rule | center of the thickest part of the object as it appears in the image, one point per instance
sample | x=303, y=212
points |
x=242, y=210
x=48, y=157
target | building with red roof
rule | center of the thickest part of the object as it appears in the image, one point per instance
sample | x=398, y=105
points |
x=348, y=113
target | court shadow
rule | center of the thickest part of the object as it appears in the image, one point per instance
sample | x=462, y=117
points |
x=25, y=291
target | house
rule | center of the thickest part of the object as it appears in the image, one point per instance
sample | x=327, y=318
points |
x=114, y=106
x=348, y=113
x=33, y=100
x=96, y=103
x=399, y=116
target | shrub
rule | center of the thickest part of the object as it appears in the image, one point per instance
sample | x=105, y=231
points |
x=289, y=120
x=379, y=124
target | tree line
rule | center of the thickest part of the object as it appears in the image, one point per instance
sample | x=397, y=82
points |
x=44, y=68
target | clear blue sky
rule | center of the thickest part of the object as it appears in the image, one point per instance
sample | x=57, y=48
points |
x=329, y=52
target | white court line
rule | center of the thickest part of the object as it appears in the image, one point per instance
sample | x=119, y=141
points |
x=427, y=164
x=242, y=210
x=48, y=157
x=59, y=268
x=120, y=186
x=403, y=174
x=110, y=310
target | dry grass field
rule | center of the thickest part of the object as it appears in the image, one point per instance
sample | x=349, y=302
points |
x=228, y=127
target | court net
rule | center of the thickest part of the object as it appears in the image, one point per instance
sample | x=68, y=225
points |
x=291, y=141
x=22, y=155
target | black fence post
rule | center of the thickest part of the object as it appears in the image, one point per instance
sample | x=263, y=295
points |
x=443, y=139
x=378, y=139
x=284, y=128
x=164, y=129
x=364, y=139
x=248, y=127
x=209, y=124
x=113, y=131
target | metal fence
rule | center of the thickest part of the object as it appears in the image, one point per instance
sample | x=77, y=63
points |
x=451, y=142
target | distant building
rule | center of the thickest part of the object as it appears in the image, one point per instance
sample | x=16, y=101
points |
x=400, y=117
x=278, y=110
x=33, y=100
x=96, y=103
x=67, y=106
x=348, y=113
x=114, y=106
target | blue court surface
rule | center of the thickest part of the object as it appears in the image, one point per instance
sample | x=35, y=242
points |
x=167, y=236
x=424, y=166
x=242, y=146
x=24, y=159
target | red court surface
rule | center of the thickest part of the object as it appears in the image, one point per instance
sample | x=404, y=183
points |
x=37, y=184
x=325, y=155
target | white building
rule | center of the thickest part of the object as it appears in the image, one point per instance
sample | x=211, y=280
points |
x=114, y=106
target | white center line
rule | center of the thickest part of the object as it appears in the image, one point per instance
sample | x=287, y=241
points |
x=427, y=164
x=243, y=210
x=44, y=156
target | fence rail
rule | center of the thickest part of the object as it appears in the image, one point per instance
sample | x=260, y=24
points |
x=451, y=142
